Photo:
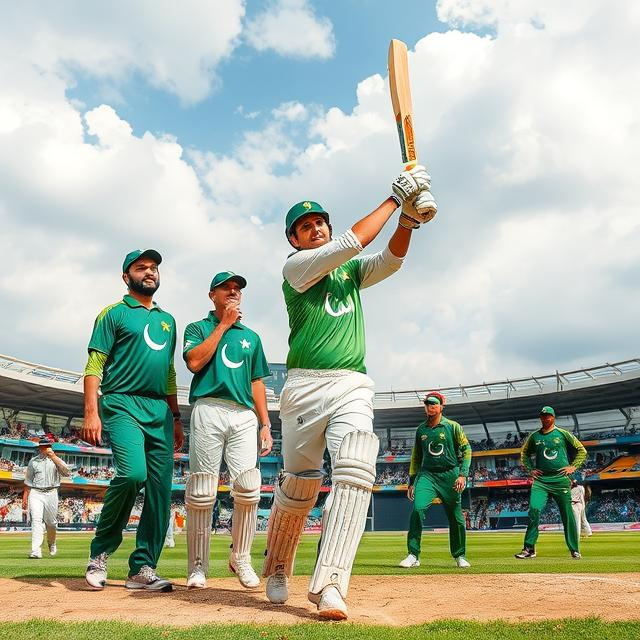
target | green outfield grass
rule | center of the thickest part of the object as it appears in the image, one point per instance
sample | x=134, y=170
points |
x=379, y=554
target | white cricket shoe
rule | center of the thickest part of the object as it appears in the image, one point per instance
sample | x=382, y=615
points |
x=331, y=605
x=197, y=580
x=247, y=576
x=148, y=579
x=35, y=556
x=53, y=549
x=96, y=573
x=170, y=544
x=409, y=562
x=462, y=562
x=277, y=588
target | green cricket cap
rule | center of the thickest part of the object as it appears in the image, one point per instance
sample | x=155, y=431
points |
x=432, y=400
x=549, y=410
x=140, y=253
x=302, y=209
x=223, y=276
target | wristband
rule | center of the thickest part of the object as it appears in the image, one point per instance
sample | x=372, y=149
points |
x=397, y=200
x=176, y=415
x=266, y=424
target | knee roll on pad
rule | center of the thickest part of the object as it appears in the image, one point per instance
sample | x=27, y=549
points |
x=246, y=487
x=199, y=497
x=246, y=495
x=295, y=495
x=343, y=524
x=200, y=491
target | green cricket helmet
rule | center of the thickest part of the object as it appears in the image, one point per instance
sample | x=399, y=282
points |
x=302, y=209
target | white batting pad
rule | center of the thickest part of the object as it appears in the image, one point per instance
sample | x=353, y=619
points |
x=344, y=519
x=199, y=497
x=246, y=495
x=295, y=495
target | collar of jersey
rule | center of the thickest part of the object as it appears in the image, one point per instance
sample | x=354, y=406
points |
x=132, y=302
x=435, y=426
x=214, y=318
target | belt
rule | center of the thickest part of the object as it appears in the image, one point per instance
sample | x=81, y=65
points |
x=44, y=489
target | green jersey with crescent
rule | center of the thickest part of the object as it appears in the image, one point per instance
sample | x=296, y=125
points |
x=237, y=361
x=440, y=448
x=139, y=344
x=552, y=451
x=322, y=293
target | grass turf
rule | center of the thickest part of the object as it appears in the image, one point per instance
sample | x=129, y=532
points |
x=379, y=554
x=566, y=629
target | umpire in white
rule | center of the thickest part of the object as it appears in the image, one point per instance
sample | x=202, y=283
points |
x=40, y=496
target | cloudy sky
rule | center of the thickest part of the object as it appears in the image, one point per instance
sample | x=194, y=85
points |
x=192, y=128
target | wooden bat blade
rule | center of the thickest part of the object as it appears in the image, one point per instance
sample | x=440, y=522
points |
x=401, y=99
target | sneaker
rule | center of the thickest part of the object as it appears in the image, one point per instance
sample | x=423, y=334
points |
x=526, y=553
x=409, y=562
x=96, y=573
x=331, y=605
x=148, y=579
x=576, y=555
x=245, y=573
x=53, y=549
x=35, y=556
x=196, y=580
x=462, y=562
x=170, y=544
x=278, y=588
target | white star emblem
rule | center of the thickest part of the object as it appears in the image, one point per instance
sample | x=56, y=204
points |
x=245, y=344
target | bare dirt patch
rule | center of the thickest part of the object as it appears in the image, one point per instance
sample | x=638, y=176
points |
x=391, y=600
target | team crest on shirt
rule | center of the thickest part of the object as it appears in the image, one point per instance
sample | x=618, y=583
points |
x=152, y=344
x=165, y=326
x=556, y=441
x=423, y=437
x=442, y=436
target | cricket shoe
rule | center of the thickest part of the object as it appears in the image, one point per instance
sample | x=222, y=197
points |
x=526, y=554
x=462, y=562
x=197, y=580
x=148, y=579
x=409, y=562
x=96, y=573
x=331, y=605
x=35, y=556
x=53, y=549
x=170, y=544
x=277, y=588
x=576, y=555
x=246, y=574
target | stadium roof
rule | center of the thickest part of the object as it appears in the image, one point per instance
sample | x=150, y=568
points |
x=33, y=387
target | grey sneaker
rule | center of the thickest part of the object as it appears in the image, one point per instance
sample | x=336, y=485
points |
x=277, y=588
x=96, y=574
x=148, y=579
x=526, y=554
x=53, y=549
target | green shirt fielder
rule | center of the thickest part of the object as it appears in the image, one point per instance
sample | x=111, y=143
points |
x=556, y=455
x=327, y=401
x=439, y=468
x=131, y=361
x=227, y=392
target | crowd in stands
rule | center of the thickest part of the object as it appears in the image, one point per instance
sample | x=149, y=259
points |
x=397, y=448
x=8, y=465
x=94, y=473
x=481, y=473
x=393, y=474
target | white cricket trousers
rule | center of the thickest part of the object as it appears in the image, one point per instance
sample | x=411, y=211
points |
x=222, y=428
x=43, y=511
x=582, y=525
x=317, y=409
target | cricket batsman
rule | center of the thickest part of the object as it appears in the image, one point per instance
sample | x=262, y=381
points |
x=327, y=401
x=556, y=455
x=439, y=468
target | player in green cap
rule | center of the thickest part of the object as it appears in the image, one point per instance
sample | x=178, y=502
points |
x=327, y=401
x=556, y=455
x=439, y=468
x=131, y=361
x=227, y=393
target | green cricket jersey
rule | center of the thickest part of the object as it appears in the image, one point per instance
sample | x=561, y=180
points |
x=139, y=345
x=552, y=451
x=440, y=448
x=237, y=361
x=326, y=322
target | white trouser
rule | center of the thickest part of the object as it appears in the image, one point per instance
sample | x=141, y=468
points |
x=169, y=540
x=317, y=410
x=221, y=427
x=580, y=514
x=43, y=511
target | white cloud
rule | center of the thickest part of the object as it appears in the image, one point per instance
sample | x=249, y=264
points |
x=291, y=28
x=532, y=139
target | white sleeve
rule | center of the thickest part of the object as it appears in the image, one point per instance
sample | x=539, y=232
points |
x=28, y=476
x=378, y=266
x=304, y=268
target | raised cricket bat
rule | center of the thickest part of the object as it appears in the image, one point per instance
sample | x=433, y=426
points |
x=401, y=100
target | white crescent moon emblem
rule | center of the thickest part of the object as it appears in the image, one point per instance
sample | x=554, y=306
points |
x=433, y=453
x=230, y=364
x=150, y=343
x=549, y=457
x=342, y=307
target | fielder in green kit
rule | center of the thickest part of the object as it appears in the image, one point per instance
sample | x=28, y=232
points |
x=131, y=360
x=439, y=468
x=551, y=449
